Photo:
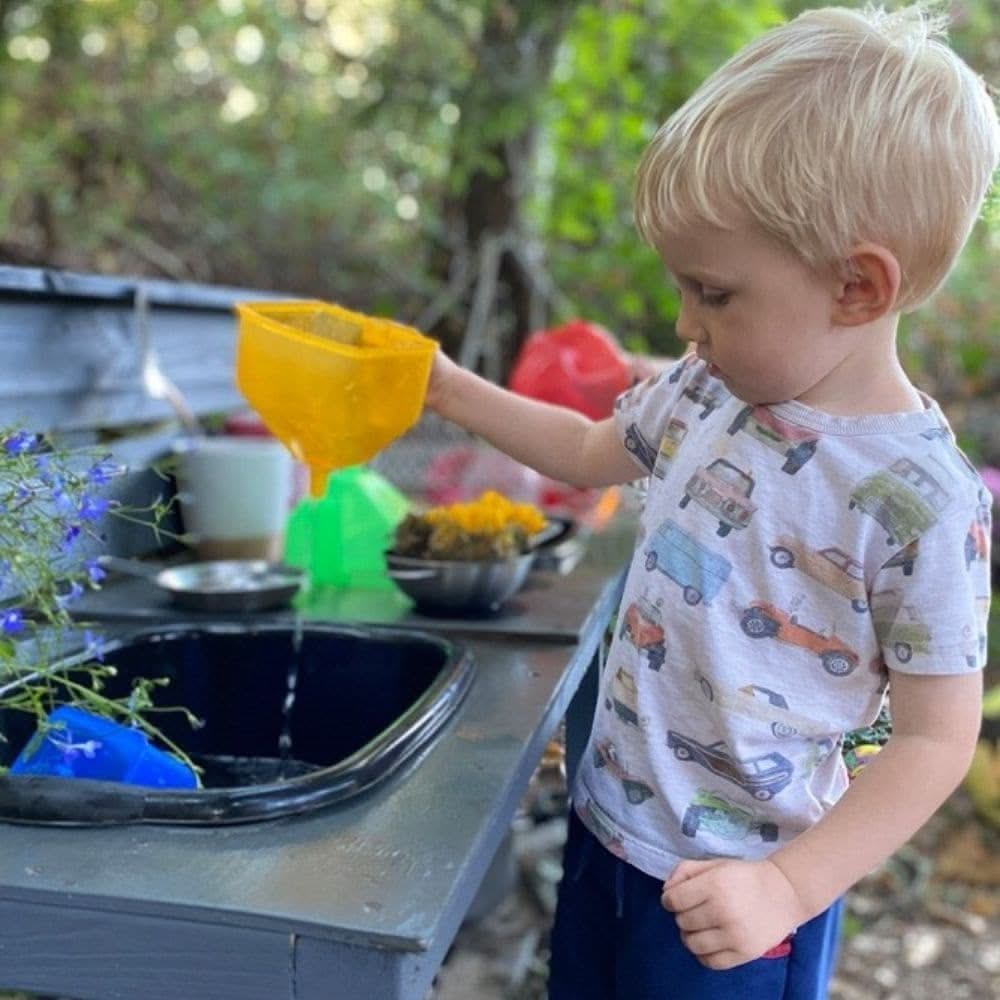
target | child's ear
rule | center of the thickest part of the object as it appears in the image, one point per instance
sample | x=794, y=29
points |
x=869, y=286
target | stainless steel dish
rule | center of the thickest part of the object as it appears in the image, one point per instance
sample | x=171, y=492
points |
x=459, y=586
x=230, y=585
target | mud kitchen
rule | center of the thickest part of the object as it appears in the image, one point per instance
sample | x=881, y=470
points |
x=404, y=741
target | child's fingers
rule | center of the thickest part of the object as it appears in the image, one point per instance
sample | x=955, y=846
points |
x=719, y=961
x=681, y=896
x=706, y=942
x=688, y=869
x=683, y=871
x=698, y=918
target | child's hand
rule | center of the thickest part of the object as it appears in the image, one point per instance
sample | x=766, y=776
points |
x=442, y=372
x=731, y=912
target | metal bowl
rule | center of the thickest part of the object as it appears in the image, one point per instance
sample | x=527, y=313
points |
x=236, y=585
x=459, y=586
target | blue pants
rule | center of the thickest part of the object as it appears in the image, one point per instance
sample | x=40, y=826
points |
x=612, y=940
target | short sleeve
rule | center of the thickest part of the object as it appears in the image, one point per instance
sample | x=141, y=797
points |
x=643, y=412
x=930, y=602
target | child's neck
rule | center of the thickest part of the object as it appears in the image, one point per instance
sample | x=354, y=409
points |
x=869, y=380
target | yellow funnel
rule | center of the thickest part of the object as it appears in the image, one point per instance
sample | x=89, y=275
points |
x=335, y=386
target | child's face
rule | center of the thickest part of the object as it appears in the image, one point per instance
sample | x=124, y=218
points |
x=757, y=313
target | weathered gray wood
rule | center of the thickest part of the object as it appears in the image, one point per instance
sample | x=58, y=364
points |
x=329, y=970
x=380, y=884
x=355, y=903
x=580, y=717
x=71, y=348
x=80, y=366
x=52, y=283
x=84, y=953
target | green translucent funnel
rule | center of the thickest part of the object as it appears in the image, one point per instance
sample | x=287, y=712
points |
x=340, y=539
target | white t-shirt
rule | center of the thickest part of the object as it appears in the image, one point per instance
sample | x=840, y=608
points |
x=785, y=556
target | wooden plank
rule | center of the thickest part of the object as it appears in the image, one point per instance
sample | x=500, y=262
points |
x=72, y=348
x=87, y=954
x=54, y=283
x=325, y=970
x=71, y=366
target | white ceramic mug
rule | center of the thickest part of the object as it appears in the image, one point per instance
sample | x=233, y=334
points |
x=234, y=494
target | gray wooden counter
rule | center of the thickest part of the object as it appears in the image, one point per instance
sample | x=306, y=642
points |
x=358, y=902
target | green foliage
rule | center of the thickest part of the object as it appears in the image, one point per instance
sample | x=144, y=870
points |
x=622, y=72
x=323, y=148
x=249, y=143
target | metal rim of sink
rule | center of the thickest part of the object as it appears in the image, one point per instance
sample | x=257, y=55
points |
x=79, y=802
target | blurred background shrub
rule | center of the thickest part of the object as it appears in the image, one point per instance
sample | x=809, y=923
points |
x=465, y=165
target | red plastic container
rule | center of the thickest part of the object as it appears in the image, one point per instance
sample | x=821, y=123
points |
x=580, y=365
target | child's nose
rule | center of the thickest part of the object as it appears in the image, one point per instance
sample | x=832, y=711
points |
x=688, y=328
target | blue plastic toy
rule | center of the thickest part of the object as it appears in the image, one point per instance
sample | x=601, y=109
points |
x=82, y=745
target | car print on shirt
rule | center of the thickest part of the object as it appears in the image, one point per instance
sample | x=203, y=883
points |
x=681, y=367
x=762, y=620
x=723, y=490
x=601, y=825
x=641, y=627
x=631, y=396
x=977, y=541
x=636, y=791
x=717, y=815
x=780, y=729
x=636, y=444
x=762, y=777
x=974, y=645
x=699, y=572
x=982, y=619
x=622, y=699
x=905, y=558
x=938, y=433
x=905, y=499
x=750, y=701
x=832, y=567
x=796, y=444
x=899, y=626
x=674, y=434
x=707, y=392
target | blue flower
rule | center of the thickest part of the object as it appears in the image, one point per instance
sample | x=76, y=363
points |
x=12, y=621
x=92, y=508
x=95, y=572
x=19, y=442
x=74, y=592
x=101, y=472
x=94, y=645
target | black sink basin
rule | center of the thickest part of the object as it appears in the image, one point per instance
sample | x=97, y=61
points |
x=295, y=719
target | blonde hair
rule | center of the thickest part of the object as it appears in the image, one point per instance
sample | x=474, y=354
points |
x=838, y=127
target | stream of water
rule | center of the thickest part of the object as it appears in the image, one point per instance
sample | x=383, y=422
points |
x=291, y=682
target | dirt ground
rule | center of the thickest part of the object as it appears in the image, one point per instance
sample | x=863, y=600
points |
x=926, y=926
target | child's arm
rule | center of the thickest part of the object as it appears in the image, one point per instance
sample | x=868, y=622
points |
x=730, y=912
x=555, y=441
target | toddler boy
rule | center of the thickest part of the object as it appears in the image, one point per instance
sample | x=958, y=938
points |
x=805, y=542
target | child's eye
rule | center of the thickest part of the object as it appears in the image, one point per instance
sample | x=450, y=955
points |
x=712, y=298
